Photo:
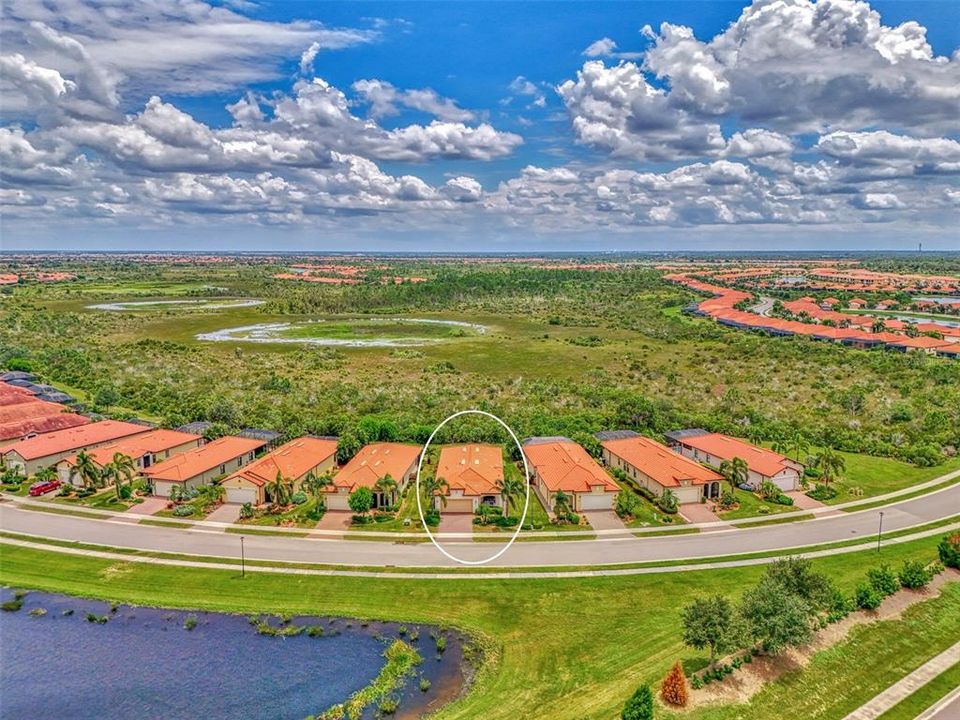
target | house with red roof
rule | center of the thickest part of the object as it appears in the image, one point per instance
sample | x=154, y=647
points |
x=857, y=303
x=657, y=468
x=473, y=474
x=713, y=448
x=293, y=461
x=145, y=450
x=49, y=448
x=202, y=465
x=921, y=343
x=374, y=462
x=560, y=465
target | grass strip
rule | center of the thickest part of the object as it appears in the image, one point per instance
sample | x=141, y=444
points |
x=926, y=696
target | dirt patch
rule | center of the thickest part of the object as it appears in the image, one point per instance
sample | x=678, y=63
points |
x=744, y=683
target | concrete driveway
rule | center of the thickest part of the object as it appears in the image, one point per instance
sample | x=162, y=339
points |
x=226, y=513
x=455, y=523
x=603, y=520
x=698, y=513
x=149, y=506
x=335, y=520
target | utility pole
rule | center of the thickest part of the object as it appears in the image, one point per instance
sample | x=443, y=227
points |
x=880, y=531
x=243, y=559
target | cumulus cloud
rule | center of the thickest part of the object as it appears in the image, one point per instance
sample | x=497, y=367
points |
x=384, y=99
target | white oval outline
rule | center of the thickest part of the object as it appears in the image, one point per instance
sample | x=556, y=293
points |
x=526, y=502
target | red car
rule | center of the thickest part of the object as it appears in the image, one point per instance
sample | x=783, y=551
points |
x=41, y=488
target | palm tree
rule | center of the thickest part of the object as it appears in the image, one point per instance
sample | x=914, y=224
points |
x=509, y=488
x=88, y=471
x=831, y=465
x=735, y=471
x=316, y=484
x=561, y=503
x=278, y=489
x=799, y=444
x=385, y=486
x=45, y=474
x=436, y=487
x=121, y=469
x=878, y=326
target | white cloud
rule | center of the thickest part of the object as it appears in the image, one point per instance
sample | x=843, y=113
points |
x=604, y=47
x=384, y=99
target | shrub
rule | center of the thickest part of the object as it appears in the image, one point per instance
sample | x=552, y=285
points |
x=298, y=498
x=96, y=619
x=314, y=631
x=183, y=510
x=673, y=689
x=696, y=683
x=190, y=623
x=12, y=605
x=424, y=684
x=949, y=550
x=667, y=502
x=37, y=612
x=388, y=705
x=822, y=492
x=884, y=580
x=727, y=500
x=246, y=511
x=914, y=575
x=763, y=509
x=783, y=499
x=867, y=597
x=441, y=643
x=639, y=706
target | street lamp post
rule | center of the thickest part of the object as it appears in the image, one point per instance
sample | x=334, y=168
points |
x=243, y=560
x=880, y=531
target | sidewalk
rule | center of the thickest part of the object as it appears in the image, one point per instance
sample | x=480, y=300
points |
x=907, y=685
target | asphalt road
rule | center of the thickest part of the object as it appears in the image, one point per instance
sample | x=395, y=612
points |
x=861, y=525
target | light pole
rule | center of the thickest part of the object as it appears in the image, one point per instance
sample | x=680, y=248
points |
x=880, y=531
x=243, y=560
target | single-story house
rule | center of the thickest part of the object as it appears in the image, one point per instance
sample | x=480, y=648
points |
x=473, y=474
x=293, y=460
x=202, y=465
x=372, y=463
x=657, y=468
x=48, y=449
x=713, y=448
x=921, y=343
x=145, y=450
x=559, y=464
x=23, y=415
x=857, y=303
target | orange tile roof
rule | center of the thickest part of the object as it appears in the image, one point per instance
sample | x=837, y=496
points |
x=292, y=460
x=374, y=462
x=922, y=342
x=26, y=410
x=74, y=438
x=564, y=465
x=666, y=467
x=137, y=446
x=184, y=466
x=475, y=469
x=760, y=460
x=38, y=425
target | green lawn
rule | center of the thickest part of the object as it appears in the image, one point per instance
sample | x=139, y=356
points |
x=750, y=507
x=877, y=476
x=297, y=516
x=920, y=700
x=543, y=664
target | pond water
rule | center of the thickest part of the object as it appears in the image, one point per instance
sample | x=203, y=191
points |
x=184, y=304
x=143, y=663
x=357, y=332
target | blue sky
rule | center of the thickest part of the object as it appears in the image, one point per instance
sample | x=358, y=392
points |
x=461, y=125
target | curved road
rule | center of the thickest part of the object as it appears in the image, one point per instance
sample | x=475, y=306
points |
x=861, y=525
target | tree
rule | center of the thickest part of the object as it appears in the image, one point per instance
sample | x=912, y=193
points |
x=878, y=326
x=799, y=444
x=348, y=445
x=735, y=471
x=561, y=503
x=280, y=489
x=639, y=706
x=86, y=469
x=510, y=487
x=831, y=465
x=45, y=474
x=386, y=486
x=797, y=576
x=775, y=617
x=121, y=469
x=361, y=500
x=710, y=622
x=435, y=487
x=949, y=550
x=316, y=484
x=673, y=689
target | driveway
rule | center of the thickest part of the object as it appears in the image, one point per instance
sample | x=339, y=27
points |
x=603, y=520
x=699, y=513
x=455, y=523
x=226, y=513
x=335, y=520
x=149, y=506
x=802, y=502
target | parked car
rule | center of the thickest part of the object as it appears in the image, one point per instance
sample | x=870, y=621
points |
x=41, y=488
x=745, y=486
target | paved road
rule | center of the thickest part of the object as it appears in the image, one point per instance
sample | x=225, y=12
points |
x=601, y=551
x=947, y=708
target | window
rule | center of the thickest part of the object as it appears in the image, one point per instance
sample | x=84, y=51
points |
x=223, y=469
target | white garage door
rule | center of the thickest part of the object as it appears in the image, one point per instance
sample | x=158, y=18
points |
x=242, y=495
x=162, y=489
x=786, y=483
x=596, y=501
x=337, y=501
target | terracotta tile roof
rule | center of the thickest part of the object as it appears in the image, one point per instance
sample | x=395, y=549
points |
x=475, y=469
x=74, y=438
x=374, y=462
x=666, y=467
x=184, y=466
x=760, y=460
x=27, y=410
x=137, y=446
x=566, y=466
x=922, y=342
x=39, y=425
x=292, y=460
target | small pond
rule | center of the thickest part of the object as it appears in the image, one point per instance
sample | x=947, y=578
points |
x=145, y=663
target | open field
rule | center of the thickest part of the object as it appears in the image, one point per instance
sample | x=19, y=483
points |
x=624, y=633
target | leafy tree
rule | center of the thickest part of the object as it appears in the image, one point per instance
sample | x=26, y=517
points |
x=797, y=576
x=639, y=706
x=949, y=550
x=775, y=617
x=673, y=689
x=710, y=622
x=106, y=396
x=361, y=500
x=348, y=445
